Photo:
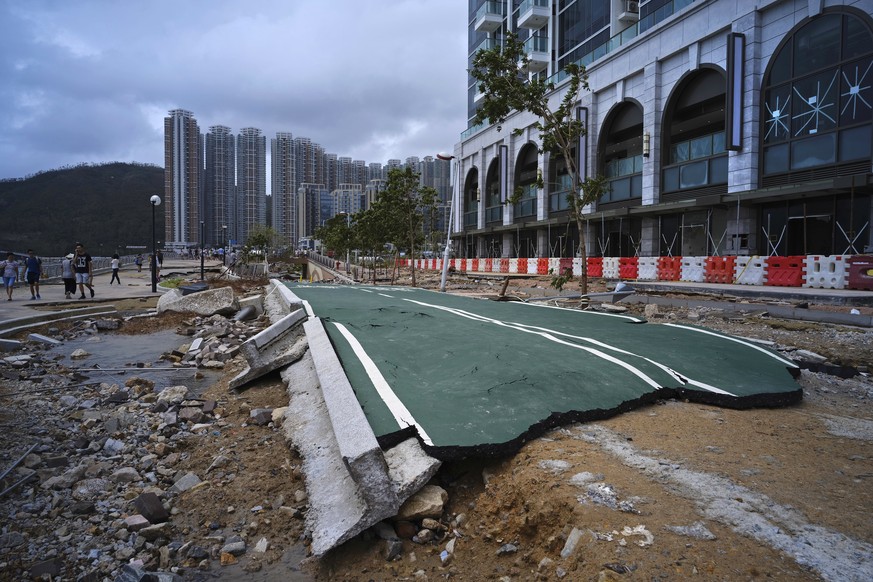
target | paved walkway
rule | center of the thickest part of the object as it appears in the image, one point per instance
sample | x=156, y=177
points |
x=133, y=285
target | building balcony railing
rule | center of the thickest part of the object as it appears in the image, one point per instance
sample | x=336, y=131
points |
x=537, y=50
x=625, y=36
x=533, y=14
x=493, y=214
x=471, y=219
x=489, y=17
x=525, y=208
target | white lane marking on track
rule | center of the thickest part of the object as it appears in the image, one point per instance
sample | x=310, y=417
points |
x=366, y=290
x=549, y=333
x=629, y=317
x=401, y=414
x=385, y=295
x=632, y=369
x=739, y=341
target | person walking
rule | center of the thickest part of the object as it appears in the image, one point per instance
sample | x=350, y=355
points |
x=115, y=263
x=10, y=274
x=138, y=262
x=83, y=268
x=33, y=269
x=68, y=276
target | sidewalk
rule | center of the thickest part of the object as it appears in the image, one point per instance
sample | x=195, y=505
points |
x=133, y=286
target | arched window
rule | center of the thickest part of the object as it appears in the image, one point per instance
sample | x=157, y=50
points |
x=493, y=204
x=817, y=100
x=694, y=154
x=622, y=154
x=525, y=182
x=471, y=199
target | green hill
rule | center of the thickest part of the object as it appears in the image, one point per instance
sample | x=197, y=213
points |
x=106, y=207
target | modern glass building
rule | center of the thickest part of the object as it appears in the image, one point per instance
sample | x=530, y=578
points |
x=723, y=127
x=251, y=182
x=220, y=188
x=183, y=167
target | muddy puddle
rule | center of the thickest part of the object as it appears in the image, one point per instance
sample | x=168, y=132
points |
x=115, y=358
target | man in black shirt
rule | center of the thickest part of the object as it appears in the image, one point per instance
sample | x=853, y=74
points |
x=82, y=267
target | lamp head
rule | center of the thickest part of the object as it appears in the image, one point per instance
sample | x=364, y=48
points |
x=155, y=200
x=445, y=156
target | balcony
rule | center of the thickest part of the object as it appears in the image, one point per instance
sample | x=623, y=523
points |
x=471, y=219
x=489, y=17
x=493, y=214
x=630, y=12
x=534, y=14
x=537, y=50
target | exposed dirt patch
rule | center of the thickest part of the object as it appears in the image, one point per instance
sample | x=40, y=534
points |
x=705, y=492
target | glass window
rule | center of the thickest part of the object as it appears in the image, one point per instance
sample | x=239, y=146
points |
x=856, y=92
x=816, y=101
x=679, y=153
x=638, y=164
x=718, y=143
x=611, y=168
x=781, y=69
x=636, y=186
x=693, y=175
x=813, y=151
x=619, y=189
x=817, y=45
x=671, y=179
x=856, y=40
x=625, y=166
x=701, y=147
x=718, y=170
x=776, y=159
x=855, y=143
x=777, y=114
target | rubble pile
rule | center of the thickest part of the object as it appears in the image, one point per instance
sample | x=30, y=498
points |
x=89, y=474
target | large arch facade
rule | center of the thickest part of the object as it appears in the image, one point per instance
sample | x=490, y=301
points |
x=679, y=126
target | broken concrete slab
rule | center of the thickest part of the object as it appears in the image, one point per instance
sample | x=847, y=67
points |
x=8, y=345
x=355, y=438
x=337, y=511
x=43, y=339
x=219, y=301
x=278, y=345
x=410, y=467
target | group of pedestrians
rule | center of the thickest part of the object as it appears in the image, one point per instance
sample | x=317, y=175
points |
x=76, y=269
x=32, y=266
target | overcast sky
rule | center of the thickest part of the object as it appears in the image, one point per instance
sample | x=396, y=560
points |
x=92, y=80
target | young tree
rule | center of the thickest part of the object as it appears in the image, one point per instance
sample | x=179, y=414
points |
x=505, y=90
x=403, y=204
x=261, y=238
x=337, y=234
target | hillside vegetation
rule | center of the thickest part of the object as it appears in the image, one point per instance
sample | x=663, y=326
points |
x=106, y=207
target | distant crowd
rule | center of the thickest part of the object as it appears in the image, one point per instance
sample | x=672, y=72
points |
x=77, y=269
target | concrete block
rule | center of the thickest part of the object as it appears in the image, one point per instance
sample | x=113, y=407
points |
x=410, y=468
x=357, y=443
x=38, y=337
x=210, y=302
x=8, y=345
x=279, y=345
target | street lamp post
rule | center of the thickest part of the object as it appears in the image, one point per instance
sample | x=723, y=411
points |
x=448, y=157
x=348, y=240
x=224, y=238
x=202, y=278
x=155, y=202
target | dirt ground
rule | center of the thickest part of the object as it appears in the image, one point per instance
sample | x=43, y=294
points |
x=671, y=491
x=668, y=492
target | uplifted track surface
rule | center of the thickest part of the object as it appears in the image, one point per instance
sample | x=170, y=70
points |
x=480, y=377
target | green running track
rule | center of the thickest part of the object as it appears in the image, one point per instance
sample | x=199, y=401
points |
x=467, y=373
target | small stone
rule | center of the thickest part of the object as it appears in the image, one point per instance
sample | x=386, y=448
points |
x=506, y=549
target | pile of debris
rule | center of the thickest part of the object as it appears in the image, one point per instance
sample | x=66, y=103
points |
x=90, y=468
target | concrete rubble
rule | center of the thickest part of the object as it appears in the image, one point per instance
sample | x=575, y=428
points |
x=102, y=473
